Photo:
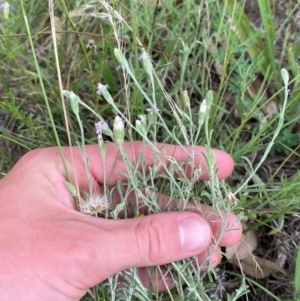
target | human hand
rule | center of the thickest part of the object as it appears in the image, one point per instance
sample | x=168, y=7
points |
x=50, y=251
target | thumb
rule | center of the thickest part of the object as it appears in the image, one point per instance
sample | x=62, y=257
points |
x=151, y=240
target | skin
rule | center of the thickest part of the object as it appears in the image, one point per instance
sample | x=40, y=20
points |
x=50, y=251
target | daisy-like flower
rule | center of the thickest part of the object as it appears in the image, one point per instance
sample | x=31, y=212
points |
x=151, y=111
x=143, y=55
x=101, y=88
x=5, y=5
x=94, y=204
x=99, y=127
x=143, y=118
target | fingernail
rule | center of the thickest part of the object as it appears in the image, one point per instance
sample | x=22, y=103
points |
x=194, y=233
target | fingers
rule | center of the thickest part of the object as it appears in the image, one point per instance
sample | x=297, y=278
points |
x=162, y=279
x=226, y=229
x=113, y=167
x=212, y=257
x=158, y=277
x=148, y=241
x=152, y=240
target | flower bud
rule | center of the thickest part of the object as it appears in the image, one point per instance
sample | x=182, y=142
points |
x=101, y=145
x=5, y=7
x=74, y=102
x=186, y=99
x=203, y=107
x=121, y=58
x=119, y=132
x=144, y=57
x=141, y=128
x=152, y=114
x=202, y=112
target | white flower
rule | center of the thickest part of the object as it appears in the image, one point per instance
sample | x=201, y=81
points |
x=101, y=88
x=143, y=118
x=144, y=55
x=152, y=111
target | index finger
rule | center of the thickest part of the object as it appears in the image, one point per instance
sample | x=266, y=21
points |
x=114, y=168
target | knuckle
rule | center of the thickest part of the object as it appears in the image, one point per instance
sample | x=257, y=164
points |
x=29, y=157
x=33, y=157
x=150, y=240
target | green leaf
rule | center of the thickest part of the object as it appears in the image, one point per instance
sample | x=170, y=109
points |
x=71, y=188
x=249, y=36
x=267, y=19
x=297, y=276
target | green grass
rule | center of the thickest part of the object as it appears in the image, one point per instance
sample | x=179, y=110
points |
x=193, y=46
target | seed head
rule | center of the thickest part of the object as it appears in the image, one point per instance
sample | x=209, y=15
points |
x=94, y=204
